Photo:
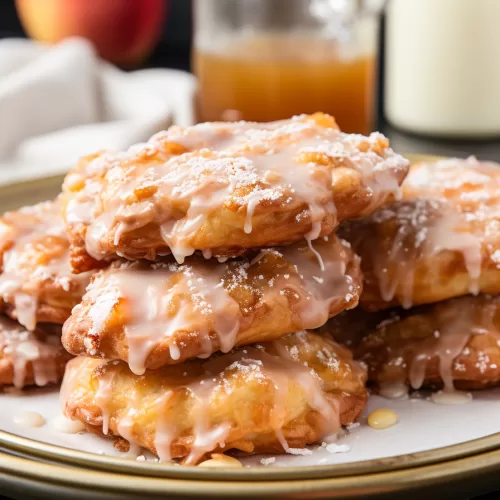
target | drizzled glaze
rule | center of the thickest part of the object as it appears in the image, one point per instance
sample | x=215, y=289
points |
x=452, y=205
x=224, y=402
x=65, y=426
x=406, y=349
x=471, y=187
x=425, y=228
x=34, y=257
x=197, y=308
x=451, y=397
x=243, y=174
x=394, y=390
x=24, y=353
x=103, y=394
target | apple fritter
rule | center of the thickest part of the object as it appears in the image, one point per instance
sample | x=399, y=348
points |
x=274, y=397
x=30, y=358
x=151, y=314
x=452, y=344
x=36, y=282
x=223, y=188
x=440, y=241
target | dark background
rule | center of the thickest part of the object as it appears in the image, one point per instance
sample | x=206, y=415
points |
x=174, y=49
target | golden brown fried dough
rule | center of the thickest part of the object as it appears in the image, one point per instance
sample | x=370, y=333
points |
x=277, y=396
x=441, y=241
x=30, y=358
x=455, y=343
x=36, y=283
x=155, y=314
x=223, y=188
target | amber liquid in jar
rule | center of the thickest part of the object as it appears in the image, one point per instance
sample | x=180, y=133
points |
x=273, y=78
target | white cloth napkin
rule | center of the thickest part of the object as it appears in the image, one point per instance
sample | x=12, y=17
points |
x=61, y=102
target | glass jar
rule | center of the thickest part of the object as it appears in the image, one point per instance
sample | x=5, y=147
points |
x=444, y=79
x=264, y=60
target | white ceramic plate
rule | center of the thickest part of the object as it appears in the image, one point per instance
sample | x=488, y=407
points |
x=422, y=426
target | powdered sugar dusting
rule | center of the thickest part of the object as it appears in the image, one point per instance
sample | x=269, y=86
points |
x=453, y=205
x=182, y=308
x=184, y=176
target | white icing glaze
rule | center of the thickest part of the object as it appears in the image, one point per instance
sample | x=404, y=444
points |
x=103, y=396
x=454, y=327
x=36, y=253
x=162, y=301
x=471, y=188
x=451, y=397
x=67, y=426
x=450, y=175
x=443, y=334
x=203, y=387
x=288, y=164
x=150, y=296
x=394, y=390
x=29, y=419
x=426, y=227
x=323, y=284
x=451, y=205
x=23, y=349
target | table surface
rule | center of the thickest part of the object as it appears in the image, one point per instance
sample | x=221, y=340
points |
x=408, y=143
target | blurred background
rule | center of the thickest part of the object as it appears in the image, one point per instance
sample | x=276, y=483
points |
x=424, y=72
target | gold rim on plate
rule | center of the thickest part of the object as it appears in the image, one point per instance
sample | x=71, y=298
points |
x=58, y=454
x=446, y=479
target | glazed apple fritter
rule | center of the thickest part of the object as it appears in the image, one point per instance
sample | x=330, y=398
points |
x=452, y=344
x=30, y=358
x=223, y=188
x=36, y=283
x=274, y=397
x=151, y=314
x=440, y=241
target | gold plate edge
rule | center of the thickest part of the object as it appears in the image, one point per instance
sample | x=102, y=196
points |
x=68, y=456
x=479, y=469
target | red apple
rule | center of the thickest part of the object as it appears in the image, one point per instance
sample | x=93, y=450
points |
x=123, y=31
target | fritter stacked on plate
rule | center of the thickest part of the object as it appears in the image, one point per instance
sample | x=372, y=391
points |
x=38, y=289
x=436, y=255
x=217, y=252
